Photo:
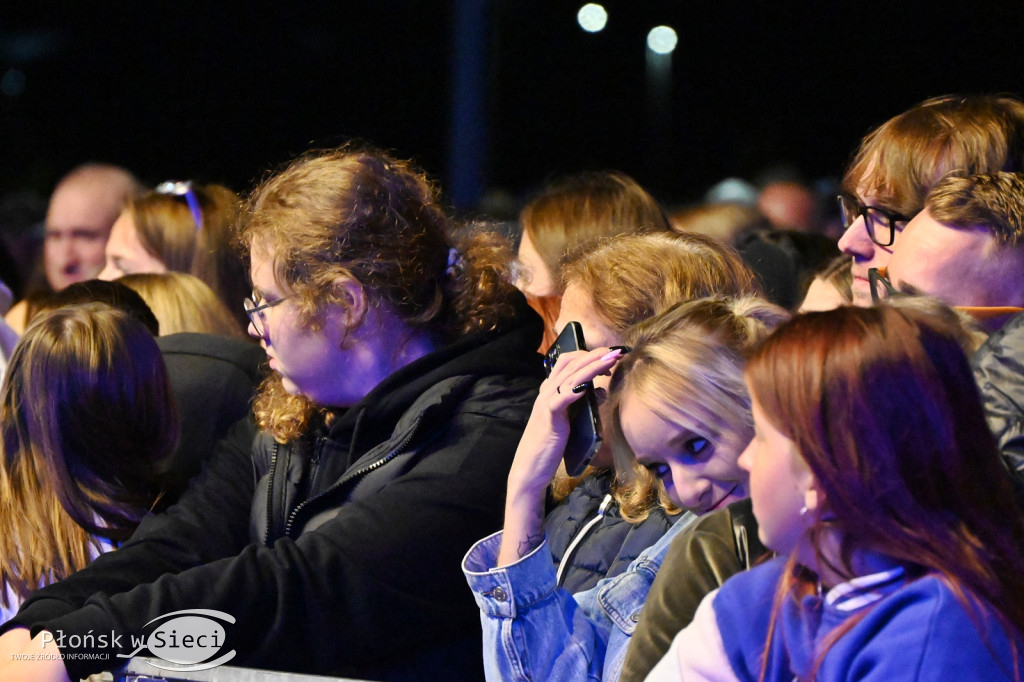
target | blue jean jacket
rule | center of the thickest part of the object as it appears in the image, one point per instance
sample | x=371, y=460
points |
x=535, y=630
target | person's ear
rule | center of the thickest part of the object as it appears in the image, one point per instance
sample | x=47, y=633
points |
x=813, y=496
x=355, y=299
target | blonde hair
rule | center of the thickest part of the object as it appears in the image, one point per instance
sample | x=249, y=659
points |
x=167, y=229
x=906, y=156
x=359, y=215
x=85, y=413
x=183, y=303
x=686, y=365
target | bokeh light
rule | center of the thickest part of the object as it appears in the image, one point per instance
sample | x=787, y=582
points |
x=592, y=17
x=662, y=39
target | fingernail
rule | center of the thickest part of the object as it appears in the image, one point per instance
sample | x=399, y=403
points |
x=612, y=354
x=624, y=349
x=579, y=389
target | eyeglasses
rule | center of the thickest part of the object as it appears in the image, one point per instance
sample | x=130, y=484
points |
x=880, y=224
x=255, y=312
x=184, y=190
x=878, y=278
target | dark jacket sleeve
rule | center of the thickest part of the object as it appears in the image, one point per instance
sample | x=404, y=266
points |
x=386, y=564
x=999, y=372
x=700, y=560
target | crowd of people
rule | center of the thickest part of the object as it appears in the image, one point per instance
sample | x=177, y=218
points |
x=307, y=408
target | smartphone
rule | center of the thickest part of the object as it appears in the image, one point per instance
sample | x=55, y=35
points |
x=584, y=423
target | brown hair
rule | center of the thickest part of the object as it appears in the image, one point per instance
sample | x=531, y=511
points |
x=686, y=365
x=168, y=231
x=883, y=408
x=632, y=277
x=586, y=207
x=86, y=412
x=906, y=156
x=724, y=221
x=360, y=215
x=183, y=303
x=993, y=202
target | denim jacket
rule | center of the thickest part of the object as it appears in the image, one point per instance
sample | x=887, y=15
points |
x=534, y=630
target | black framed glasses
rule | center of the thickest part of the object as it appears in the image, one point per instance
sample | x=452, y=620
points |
x=256, y=313
x=880, y=224
x=879, y=280
x=184, y=190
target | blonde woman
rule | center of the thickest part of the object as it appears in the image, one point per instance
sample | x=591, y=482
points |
x=681, y=415
x=86, y=413
x=599, y=527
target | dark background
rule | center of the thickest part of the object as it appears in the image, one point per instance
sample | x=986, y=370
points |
x=224, y=91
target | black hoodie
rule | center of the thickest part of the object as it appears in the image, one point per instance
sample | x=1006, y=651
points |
x=340, y=553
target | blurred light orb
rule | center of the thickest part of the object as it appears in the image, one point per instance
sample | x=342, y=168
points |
x=592, y=17
x=662, y=39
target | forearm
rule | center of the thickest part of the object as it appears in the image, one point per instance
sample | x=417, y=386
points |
x=523, y=525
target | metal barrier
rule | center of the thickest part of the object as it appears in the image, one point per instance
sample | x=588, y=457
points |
x=140, y=670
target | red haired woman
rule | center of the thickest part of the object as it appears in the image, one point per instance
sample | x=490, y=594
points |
x=875, y=478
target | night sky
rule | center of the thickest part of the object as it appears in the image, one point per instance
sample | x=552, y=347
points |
x=224, y=91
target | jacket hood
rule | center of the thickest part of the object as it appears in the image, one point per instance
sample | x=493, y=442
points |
x=509, y=352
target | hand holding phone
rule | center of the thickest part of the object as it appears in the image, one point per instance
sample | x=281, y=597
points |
x=584, y=422
x=564, y=425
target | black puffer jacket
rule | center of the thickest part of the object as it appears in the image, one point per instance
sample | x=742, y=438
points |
x=341, y=555
x=999, y=370
x=600, y=544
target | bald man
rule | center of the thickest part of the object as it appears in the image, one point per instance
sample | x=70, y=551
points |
x=83, y=206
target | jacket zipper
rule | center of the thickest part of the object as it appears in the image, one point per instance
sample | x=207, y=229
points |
x=571, y=549
x=355, y=474
x=270, y=491
x=318, y=449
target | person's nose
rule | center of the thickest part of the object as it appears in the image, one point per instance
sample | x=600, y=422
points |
x=746, y=459
x=856, y=242
x=109, y=273
x=691, y=489
x=254, y=332
x=60, y=251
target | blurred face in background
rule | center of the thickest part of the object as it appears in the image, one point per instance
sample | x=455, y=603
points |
x=534, y=278
x=125, y=254
x=78, y=222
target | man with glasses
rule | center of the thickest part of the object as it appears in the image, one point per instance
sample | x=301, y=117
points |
x=898, y=163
